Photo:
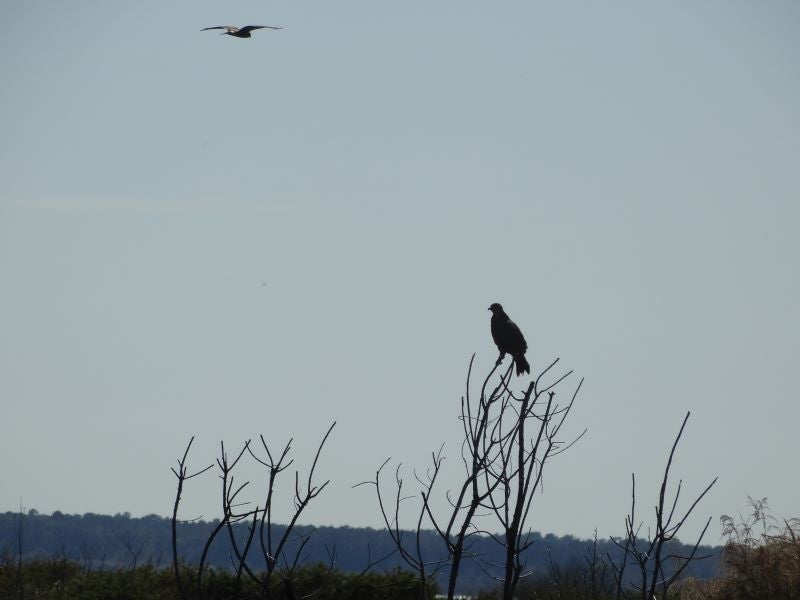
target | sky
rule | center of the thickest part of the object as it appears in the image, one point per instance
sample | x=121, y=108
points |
x=223, y=238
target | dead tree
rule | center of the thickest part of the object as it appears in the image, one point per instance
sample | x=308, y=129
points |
x=649, y=558
x=478, y=451
x=129, y=544
x=183, y=476
x=229, y=514
x=525, y=435
x=457, y=527
x=592, y=581
x=410, y=551
x=274, y=548
x=507, y=441
x=278, y=556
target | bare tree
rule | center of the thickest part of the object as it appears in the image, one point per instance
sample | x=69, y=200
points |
x=655, y=567
x=426, y=568
x=525, y=434
x=129, y=543
x=274, y=548
x=182, y=474
x=478, y=451
x=282, y=553
x=590, y=581
x=229, y=514
x=507, y=441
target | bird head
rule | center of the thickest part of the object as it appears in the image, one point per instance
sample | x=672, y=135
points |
x=496, y=308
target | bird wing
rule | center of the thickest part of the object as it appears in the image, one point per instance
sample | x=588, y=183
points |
x=252, y=27
x=230, y=28
x=508, y=336
x=515, y=334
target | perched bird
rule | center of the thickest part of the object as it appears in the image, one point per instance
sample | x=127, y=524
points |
x=244, y=32
x=509, y=339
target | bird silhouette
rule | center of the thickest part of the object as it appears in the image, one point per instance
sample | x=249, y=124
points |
x=509, y=339
x=244, y=32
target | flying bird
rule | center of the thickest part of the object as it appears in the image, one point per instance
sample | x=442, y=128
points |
x=244, y=32
x=509, y=339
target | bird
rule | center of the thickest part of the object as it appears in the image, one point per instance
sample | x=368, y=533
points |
x=244, y=32
x=509, y=339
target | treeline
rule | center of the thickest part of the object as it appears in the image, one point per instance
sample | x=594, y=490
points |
x=120, y=542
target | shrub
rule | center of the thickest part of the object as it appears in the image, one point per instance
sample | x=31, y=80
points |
x=761, y=559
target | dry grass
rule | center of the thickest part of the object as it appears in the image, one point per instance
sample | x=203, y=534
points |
x=761, y=560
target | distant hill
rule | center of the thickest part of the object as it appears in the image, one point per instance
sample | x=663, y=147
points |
x=119, y=541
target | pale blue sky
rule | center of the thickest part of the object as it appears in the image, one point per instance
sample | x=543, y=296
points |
x=201, y=235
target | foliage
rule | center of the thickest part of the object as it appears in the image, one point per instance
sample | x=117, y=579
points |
x=62, y=579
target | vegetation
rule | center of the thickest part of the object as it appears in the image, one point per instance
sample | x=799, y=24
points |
x=102, y=542
x=760, y=561
x=60, y=578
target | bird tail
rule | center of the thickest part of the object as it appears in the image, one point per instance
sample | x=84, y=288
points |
x=522, y=364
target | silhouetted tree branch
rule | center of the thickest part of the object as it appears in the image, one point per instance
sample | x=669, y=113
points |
x=182, y=476
x=514, y=474
x=503, y=464
x=411, y=554
x=650, y=557
x=276, y=551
